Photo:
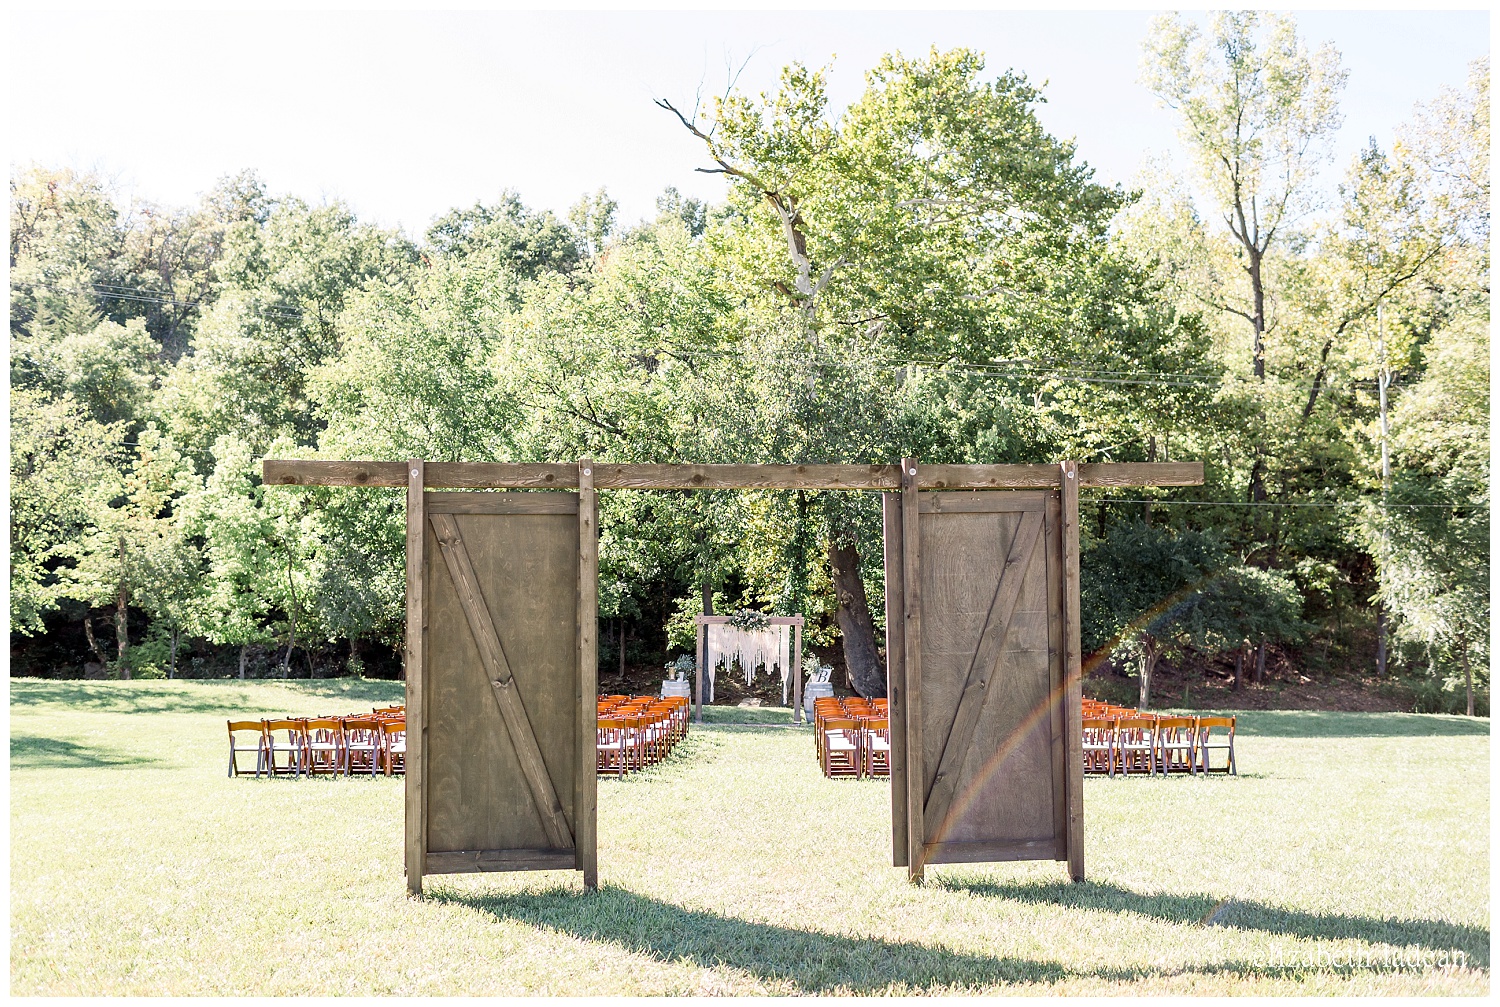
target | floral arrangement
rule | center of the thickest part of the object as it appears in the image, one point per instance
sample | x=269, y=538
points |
x=816, y=672
x=681, y=668
x=749, y=619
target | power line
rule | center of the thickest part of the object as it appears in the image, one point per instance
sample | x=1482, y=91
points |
x=1012, y=370
x=1269, y=503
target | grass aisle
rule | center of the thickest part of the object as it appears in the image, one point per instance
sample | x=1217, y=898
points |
x=137, y=867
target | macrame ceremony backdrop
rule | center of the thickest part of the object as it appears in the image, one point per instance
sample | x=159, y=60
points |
x=719, y=642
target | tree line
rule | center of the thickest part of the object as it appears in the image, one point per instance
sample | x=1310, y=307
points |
x=927, y=272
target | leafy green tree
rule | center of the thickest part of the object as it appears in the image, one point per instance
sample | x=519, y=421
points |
x=282, y=286
x=1237, y=610
x=593, y=220
x=1432, y=532
x=227, y=514
x=62, y=474
x=934, y=221
x=1258, y=110
x=132, y=537
x=1136, y=584
x=528, y=242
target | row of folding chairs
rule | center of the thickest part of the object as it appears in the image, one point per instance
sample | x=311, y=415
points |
x=1123, y=740
x=638, y=731
x=373, y=743
x=853, y=736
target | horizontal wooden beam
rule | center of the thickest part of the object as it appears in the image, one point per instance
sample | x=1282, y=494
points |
x=474, y=861
x=501, y=475
x=773, y=620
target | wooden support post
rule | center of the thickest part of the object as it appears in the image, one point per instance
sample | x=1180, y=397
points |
x=799, y=716
x=1072, y=697
x=911, y=590
x=586, y=784
x=698, y=675
x=895, y=675
x=416, y=707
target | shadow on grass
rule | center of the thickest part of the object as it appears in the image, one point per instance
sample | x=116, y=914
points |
x=1435, y=935
x=31, y=752
x=1335, y=724
x=228, y=696
x=813, y=962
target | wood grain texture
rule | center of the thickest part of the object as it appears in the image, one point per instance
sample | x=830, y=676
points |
x=1003, y=781
x=1073, y=667
x=586, y=779
x=472, y=861
x=987, y=477
x=416, y=708
x=301, y=472
x=989, y=852
x=895, y=678
x=1104, y=474
x=1054, y=556
x=979, y=501
x=747, y=477
x=911, y=595
x=498, y=475
x=502, y=503
x=959, y=742
x=493, y=667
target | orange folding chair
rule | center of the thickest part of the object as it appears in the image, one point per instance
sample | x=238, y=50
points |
x=841, y=751
x=256, y=743
x=1099, y=746
x=322, y=745
x=1208, y=742
x=362, y=743
x=283, y=747
x=393, y=745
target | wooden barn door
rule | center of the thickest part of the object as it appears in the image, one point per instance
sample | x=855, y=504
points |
x=983, y=675
x=501, y=682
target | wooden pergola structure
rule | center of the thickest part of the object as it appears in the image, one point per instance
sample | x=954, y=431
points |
x=984, y=666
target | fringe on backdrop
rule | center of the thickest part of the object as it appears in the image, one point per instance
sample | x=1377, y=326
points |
x=752, y=648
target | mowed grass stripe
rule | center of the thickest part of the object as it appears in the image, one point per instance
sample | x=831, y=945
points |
x=138, y=867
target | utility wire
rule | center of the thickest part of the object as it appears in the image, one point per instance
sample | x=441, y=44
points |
x=1012, y=370
x=1266, y=503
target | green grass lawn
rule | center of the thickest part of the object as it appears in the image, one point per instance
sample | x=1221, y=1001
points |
x=137, y=867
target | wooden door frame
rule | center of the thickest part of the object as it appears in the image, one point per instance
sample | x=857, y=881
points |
x=901, y=481
x=904, y=669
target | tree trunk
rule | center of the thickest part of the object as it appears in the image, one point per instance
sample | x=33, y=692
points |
x=1258, y=295
x=1468, y=678
x=172, y=668
x=866, y=675
x=88, y=632
x=708, y=597
x=1260, y=661
x=622, y=649
x=286, y=659
x=122, y=630
x=1239, y=667
x=1148, y=668
x=243, y=648
x=1379, y=640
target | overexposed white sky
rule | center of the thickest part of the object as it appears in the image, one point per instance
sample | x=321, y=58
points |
x=406, y=115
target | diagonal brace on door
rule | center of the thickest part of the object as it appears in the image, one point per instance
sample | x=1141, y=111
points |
x=497, y=670
x=981, y=668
